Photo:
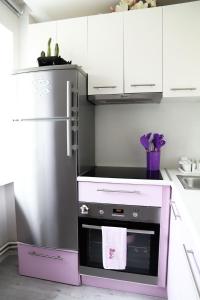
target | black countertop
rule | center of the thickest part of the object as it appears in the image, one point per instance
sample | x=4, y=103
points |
x=123, y=173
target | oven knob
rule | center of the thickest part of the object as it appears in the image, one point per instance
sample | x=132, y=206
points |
x=84, y=209
x=135, y=214
x=101, y=212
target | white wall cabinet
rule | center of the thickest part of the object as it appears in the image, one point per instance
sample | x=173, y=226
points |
x=72, y=39
x=143, y=50
x=37, y=39
x=181, y=24
x=182, y=268
x=105, y=54
x=129, y=52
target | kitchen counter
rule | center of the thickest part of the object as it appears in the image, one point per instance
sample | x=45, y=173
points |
x=188, y=204
x=125, y=176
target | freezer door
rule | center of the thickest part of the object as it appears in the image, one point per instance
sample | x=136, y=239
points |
x=43, y=94
x=45, y=185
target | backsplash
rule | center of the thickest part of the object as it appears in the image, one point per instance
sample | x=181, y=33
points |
x=118, y=128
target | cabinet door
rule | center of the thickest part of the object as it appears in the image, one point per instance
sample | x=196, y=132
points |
x=105, y=54
x=38, y=36
x=143, y=50
x=181, y=50
x=72, y=39
x=181, y=284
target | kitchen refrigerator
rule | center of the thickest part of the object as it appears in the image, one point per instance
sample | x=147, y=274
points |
x=54, y=142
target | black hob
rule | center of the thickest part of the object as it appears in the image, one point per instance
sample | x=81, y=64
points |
x=123, y=173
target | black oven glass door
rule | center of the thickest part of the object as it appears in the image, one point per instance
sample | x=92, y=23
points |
x=142, y=245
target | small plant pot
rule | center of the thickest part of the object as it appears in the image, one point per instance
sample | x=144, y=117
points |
x=45, y=61
x=52, y=60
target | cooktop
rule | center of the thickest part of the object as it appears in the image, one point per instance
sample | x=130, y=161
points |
x=124, y=173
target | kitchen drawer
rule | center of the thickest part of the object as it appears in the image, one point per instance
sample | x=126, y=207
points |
x=129, y=194
x=49, y=264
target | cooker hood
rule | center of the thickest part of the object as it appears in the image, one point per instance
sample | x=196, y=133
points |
x=126, y=98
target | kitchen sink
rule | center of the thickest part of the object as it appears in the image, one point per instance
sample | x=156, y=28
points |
x=190, y=182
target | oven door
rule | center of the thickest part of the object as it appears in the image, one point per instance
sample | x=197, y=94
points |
x=142, y=245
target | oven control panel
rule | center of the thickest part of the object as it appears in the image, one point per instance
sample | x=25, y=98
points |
x=119, y=212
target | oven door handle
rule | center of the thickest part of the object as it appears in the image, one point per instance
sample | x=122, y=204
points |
x=149, y=232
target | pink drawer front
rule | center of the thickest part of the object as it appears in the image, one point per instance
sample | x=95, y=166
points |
x=44, y=263
x=129, y=194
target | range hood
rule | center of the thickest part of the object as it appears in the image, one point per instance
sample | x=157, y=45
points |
x=125, y=98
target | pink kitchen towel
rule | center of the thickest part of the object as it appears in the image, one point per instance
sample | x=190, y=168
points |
x=114, y=247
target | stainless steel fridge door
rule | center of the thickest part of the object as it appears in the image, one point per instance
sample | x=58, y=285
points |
x=43, y=94
x=45, y=185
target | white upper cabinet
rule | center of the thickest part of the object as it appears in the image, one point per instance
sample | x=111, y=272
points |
x=143, y=50
x=72, y=39
x=181, y=25
x=105, y=54
x=38, y=35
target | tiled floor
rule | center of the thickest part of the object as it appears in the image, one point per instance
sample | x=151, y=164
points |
x=15, y=287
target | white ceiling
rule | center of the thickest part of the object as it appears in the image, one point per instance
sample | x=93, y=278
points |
x=43, y=10
x=46, y=10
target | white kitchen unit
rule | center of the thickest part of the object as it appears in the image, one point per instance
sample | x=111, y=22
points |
x=105, y=54
x=143, y=50
x=183, y=281
x=181, y=46
x=37, y=39
x=72, y=40
x=181, y=265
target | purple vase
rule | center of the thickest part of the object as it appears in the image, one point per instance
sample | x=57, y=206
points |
x=153, y=161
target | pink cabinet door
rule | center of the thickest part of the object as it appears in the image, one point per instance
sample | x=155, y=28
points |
x=54, y=265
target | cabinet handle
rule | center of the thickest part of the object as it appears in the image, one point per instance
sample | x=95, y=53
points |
x=119, y=191
x=105, y=87
x=174, y=209
x=138, y=85
x=184, y=89
x=188, y=253
x=33, y=253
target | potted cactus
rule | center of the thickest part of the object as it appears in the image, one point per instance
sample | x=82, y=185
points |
x=49, y=59
x=58, y=60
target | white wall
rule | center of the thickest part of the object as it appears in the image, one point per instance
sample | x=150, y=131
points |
x=23, y=32
x=11, y=21
x=7, y=215
x=119, y=127
x=7, y=212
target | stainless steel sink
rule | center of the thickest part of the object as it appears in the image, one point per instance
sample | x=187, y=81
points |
x=190, y=182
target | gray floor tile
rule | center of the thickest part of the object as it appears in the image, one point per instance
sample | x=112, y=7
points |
x=15, y=287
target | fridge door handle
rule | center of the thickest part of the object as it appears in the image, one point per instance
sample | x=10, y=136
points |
x=69, y=99
x=69, y=121
x=69, y=137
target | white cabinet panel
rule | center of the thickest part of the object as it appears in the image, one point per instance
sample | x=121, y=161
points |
x=143, y=50
x=181, y=50
x=105, y=54
x=181, y=283
x=38, y=36
x=72, y=39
